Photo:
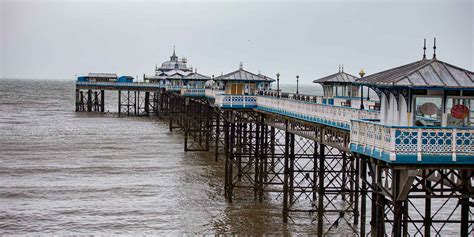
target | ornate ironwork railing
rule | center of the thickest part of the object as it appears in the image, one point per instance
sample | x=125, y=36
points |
x=235, y=101
x=198, y=92
x=118, y=84
x=413, y=144
x=336, y=116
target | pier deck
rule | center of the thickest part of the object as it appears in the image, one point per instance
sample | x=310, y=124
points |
x=328, y=160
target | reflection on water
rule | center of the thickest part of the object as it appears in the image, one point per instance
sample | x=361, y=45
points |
x=65, y=172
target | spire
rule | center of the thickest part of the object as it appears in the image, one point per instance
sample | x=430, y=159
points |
x=434, y=48
x=241, y=65
x=424, y=49
x=174, y=57
x=342, y=68
x=339, y=67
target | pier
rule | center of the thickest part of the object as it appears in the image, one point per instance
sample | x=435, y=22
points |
x=385, y=166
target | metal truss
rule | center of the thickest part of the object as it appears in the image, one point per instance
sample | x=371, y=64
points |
x=419, y=201
x=93, y=101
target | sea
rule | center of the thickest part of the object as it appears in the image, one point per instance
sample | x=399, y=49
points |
x=69, y=173
x=64, y=173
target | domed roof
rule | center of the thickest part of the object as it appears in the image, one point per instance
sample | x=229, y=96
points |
x=171, y=65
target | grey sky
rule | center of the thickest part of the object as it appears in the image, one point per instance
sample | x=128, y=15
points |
x=41, y=39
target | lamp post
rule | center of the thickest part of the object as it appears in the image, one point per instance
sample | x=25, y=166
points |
x=361, y=74
x=278, y=85
x=297, y=81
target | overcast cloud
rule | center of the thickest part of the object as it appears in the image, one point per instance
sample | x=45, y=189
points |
x=44, y=39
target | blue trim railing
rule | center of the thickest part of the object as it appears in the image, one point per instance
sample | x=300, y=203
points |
x=118, y=84
x=336, y=116
x=227, y=101
x=413, y=144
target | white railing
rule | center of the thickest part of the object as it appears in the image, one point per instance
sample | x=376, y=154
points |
x=118, y=84
x=420, y=144
x=174, y=87
x=354, y=102
x=192, y=91
x=212, y=93
x=235, y=101
x=326, y=114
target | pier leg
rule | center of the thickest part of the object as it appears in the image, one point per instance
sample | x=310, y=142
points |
x=321, y=189
x=231, y=160
x=171, y=108
x=119, y=102
x=363, y=194
x=226, y=151
x=355, y=188
x=263, y=157
x=102, y=101
x=89, y=101
x=292, y=169
x=216, y=151
x=427, y=217
x=128, y=103
x=78, y=100
x=207, y=128
x=186, y=127
x=465, y=213
x=286, y=173
x=136, y=105
x=147, y=103
x=380, y=204
x=314, y=189
x=257, y=160
x=96, y=101
x=398, y=205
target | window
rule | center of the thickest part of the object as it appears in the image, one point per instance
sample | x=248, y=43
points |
x=460, y=111
x=427, y=111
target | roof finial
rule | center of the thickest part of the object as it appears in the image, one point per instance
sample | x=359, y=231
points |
x=241, y=65
x=342, y=69
x=174, y=57
x=424, y=49
x=339, y=67
x=434, y=48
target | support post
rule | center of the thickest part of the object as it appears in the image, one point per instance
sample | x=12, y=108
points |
x=89, y=101
x=363, y=194
x=321, y=189
x=147, y=103
x=102, y=101
x=216, y=151
x=78, y=97
x=119, y=102
x=465, y=204
x=286, y=173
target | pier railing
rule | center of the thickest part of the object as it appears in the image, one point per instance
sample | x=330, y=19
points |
x=345, y=101
x=212, y=93
x=412, y=144
x=336, y=116
x=118, y=84
x=198, y=92
x=175, y=88
x=227, y=101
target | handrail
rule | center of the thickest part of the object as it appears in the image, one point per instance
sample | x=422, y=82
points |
x=419, y=143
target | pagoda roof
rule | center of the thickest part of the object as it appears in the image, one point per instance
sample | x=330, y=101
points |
x=424, y=73
x=339, y=77
x=197, y=76
x=243, y=75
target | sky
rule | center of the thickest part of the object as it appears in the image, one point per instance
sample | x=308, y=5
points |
x=61, y=39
